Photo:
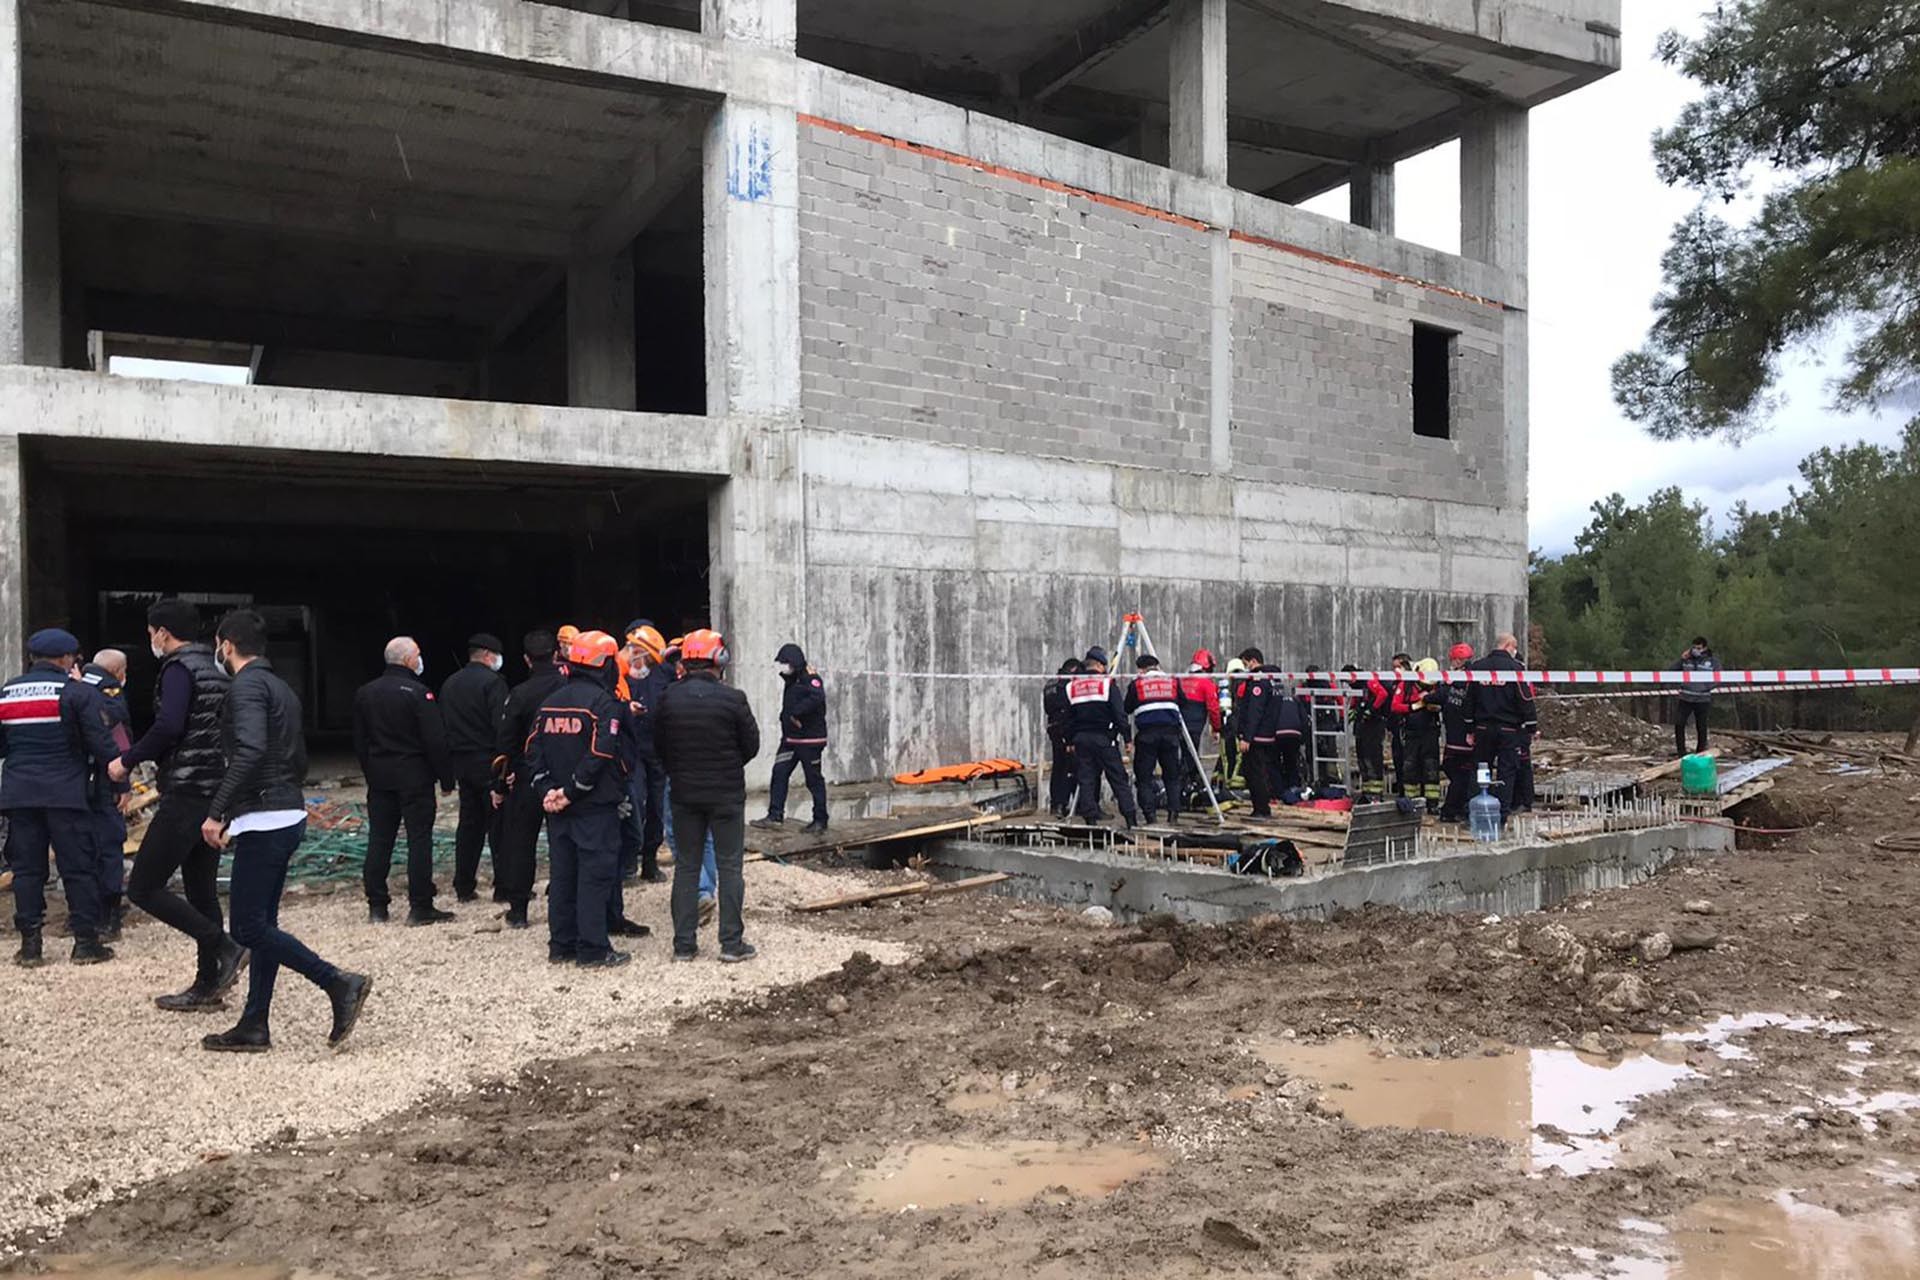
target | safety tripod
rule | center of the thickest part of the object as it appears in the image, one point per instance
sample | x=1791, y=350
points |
x=1134, y=640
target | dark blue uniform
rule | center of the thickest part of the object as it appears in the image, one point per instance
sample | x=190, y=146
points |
x=54, y=731
x=110, y=825
x=579, y=745
x=1098, y=720
x=648, y=786
x=803, y=736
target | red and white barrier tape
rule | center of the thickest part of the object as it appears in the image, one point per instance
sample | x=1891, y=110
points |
x=1744, y=681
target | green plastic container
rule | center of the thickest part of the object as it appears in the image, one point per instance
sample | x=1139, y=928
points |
x=1700, y=776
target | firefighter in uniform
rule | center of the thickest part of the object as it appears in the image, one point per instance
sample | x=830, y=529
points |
x=580, y=762
x=106, y=674
x=1457, y=739
x=53, y=733
x=515, y=847
x=1098, y=720
x=1416, y=704
x=1156, y=703
x=1369, y=713
x=1256, y=726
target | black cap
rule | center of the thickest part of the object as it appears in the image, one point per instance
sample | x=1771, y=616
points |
x=1146, y=661
x=1096, y=654
x=484, y=640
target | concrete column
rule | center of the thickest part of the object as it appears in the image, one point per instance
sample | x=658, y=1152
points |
x=13, y=557
x=1493, y=189
x=42, y=285
x=1197, y=88
x=601, y=371
x=12, y=196
x=1372, y=196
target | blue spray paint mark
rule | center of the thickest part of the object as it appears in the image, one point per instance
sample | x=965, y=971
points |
x=750, y=167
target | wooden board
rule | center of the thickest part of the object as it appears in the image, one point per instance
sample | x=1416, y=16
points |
x=890, y=837
x=1740, y=795
x=918, y=889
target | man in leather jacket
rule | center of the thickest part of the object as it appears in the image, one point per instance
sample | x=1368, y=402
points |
x=260, y=810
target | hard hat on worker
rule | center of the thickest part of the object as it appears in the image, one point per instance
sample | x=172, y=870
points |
x=649, y=639
x=566, y=635
x=591, y=649
x=1203, y=659
x=704, y=646
x=1460, y=653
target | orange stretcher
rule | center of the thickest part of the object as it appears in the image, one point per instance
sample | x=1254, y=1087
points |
x=971, y=771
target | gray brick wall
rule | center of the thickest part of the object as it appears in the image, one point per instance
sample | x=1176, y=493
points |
x=945, y=304
x=1322, y=383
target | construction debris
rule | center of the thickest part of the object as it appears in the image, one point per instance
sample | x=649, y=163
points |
x=918, y=889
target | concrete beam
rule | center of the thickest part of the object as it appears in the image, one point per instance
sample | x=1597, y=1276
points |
x=767, y=24
x=1371, y=203
x=1250, y=132
x=601, y=370
x=13, y=215
x=1310, y=18
x=43, y=286
x=898, y=67
x=1088, y=47
x=1197, y=89
x=658, y=174
x=167, y=318
x=1580, y=37
x=57, y=402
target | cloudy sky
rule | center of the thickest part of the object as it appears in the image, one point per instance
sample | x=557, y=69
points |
x=1601, y=220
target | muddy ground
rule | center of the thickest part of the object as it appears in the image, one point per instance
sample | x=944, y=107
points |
x=753, y=1143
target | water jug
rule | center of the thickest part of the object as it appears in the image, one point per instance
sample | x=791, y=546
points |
x=1483, y=811
x=1699, y=775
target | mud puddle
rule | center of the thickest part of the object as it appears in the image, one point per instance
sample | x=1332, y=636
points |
x=1780, y=1239
x=946, y=1176
x=87, y=1267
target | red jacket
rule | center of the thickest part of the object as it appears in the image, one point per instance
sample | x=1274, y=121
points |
x=1201, y=691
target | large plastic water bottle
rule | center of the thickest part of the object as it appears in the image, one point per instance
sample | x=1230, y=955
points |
x=1483, y=811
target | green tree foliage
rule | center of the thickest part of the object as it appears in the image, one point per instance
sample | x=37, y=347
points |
x=1824, y=96
x=1825, y=581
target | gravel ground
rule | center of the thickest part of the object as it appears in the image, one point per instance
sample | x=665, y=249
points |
x=99, y=1091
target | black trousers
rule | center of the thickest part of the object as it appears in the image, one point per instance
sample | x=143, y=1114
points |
x=1697, y=712
x=1061, y=778
x=1402, y=779
x=807, y=757
x=172, y=843
x=1160, y=749
x=1260, y=766
x=386, y=810
x=1097, y=756
x=110, y=838
x=1513, y=765
x=516, y=849
x=1459, y=764
x=1286, y=765
x=479, y=821
x=1420, y=765
x=1370, y=739
x=693, y=824
x=584, y=844
x=649, y=790
x=76, y=851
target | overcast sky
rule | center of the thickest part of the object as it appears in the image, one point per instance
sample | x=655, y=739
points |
x=1601, y=220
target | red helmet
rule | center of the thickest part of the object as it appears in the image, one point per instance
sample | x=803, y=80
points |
x=1203, y=659
x=591, y=649
x=1460, y=653
x=704, y=646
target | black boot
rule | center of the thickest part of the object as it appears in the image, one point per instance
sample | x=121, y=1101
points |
x=625, y=928
x=226, y=968
x=90, y=951
x=818, y=827
x=376, y=913
x=198, y=998
x=608, y=960
x=244, y=1037
x=466, y=895
x=115, y=925
x=348, y=994
x=516, y=915
x=30, y=954
x=650, y=872
x=428, y=914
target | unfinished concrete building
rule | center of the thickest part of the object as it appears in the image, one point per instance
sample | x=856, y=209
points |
x=930, y=334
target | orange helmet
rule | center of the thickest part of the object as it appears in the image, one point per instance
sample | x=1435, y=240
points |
x=566, y=635
x=704, y=646
x=650, y=641
x=591, y=649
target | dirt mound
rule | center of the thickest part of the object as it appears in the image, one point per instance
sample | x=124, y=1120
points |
x=1598, y=723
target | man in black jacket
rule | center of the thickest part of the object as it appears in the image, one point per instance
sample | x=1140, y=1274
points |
x=401, y=741
x=107, y=675
x=803, y=738
x=471, y=700
x=260, y=808
x=1506, y=711
x=1061, y=778
x=1097, y=718
x=706, y=734
x=1456, y=701
x=516, y=846
x=184, y=743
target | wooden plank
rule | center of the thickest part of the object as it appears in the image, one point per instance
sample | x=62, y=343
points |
x=920, y=888
x=893, y=837
x=1740, y=795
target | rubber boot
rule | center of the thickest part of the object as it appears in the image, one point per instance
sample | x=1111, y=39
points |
x=30, y=955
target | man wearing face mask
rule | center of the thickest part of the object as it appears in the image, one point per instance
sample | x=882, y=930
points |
x=184, y=743
x=401, y=741
x=579, y=759
x=471, y=700
x=803, y=739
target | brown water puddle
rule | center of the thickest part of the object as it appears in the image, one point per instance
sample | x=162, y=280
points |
x=944, y=1176
x=90, y=1267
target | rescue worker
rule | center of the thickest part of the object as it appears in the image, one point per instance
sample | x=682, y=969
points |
x=706, y=734
x=803, y=737
x=260, y=807
x=579, y=762
x=1201, y=710
x=1291, y=718
x=1157, y=706
x=1417, y=705
x=1368, y=712
x=471, y=700
x=1229, y=770
x=107, y=675
x=516, y=847
x=1055, y=707
x=647, y=678
x=1505, y=711
x=1457, y=736
x=183, y=742
x=709, y=869
x=1695, y=699
x=1097, y=718
x=400, y=739
x=53, y=731
x=1256, y=727
x=1396, y=722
